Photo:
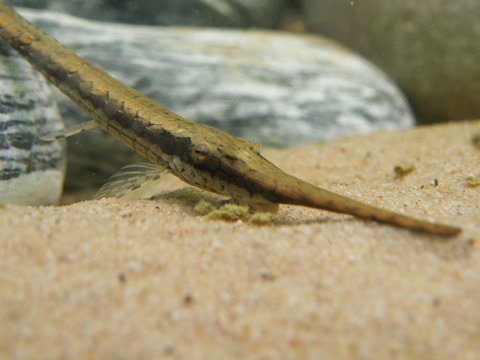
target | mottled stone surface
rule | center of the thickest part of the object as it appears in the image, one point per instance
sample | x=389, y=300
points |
x=221, y=13
x=31, y=170
x=275, y=88
x=431, y=48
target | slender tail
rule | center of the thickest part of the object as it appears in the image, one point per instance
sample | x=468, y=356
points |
x=298, y=192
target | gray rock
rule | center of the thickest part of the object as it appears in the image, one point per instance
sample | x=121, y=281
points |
x=430, y=47
x=275, y=88
x=31, y=170
x=219, y=13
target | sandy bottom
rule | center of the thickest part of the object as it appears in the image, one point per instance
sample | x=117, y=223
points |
x=113, y=279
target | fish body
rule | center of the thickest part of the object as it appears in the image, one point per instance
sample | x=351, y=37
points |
x=198, y=154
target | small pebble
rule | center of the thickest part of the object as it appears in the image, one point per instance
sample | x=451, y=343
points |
x=122, y=277
x=476, y=140
x=404, y=168
x=473, y=180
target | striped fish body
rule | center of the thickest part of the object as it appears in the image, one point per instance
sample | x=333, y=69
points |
x=198, y=154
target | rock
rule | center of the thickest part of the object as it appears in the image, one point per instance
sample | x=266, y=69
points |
x=430, y=48
x=220, y=13
x=31, y=170
x=275, y=88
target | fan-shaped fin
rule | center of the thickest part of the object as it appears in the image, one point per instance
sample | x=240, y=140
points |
x=134, y=181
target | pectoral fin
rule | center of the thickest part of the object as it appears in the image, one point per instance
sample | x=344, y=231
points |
x=70, y=131
x=134, y=181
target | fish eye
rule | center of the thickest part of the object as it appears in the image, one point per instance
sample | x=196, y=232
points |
x=201, y=152
x=204, y=157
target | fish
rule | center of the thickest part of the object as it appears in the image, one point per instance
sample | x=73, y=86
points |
x=198, y=154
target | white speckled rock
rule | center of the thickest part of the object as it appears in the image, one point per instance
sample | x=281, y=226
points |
x=270, y=87
x=220, y=13
x=31, y=171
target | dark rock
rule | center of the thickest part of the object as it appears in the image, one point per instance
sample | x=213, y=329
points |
x=429, y=47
